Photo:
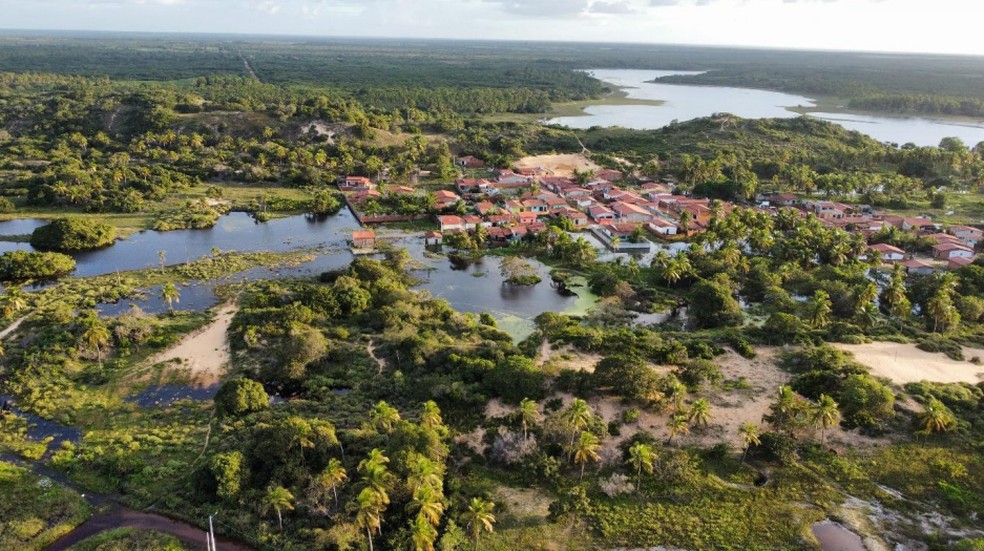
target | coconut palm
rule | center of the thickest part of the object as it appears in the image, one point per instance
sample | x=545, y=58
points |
x=384, y=417
x=479, y=518
x=825, y=414
x=170, y=295
x=529, y=415
x=14, y=301
x=937, y=418
x=429, y=503
x=430, y=417
x=700, y=413
x=678, y=425
x=374, y=471
x=424, y=472
x=818, y=309
x=96, y=336
x=369, y=513
x=749, y=433
x=422, y=534
x=332, y=477
x=785, y=405
x=577, y=416
x=586, y=449
x=279, y=499
x=641, y=458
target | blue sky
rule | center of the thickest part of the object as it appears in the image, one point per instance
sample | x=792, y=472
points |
x=940, y=26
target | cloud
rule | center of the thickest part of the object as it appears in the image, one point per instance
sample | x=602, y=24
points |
x=544, y=8
x=612, y=8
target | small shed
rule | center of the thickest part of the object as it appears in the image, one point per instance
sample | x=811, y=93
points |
x=433, y=238
x=364, y=239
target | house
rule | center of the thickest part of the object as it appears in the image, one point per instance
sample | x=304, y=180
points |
x=514, y=206
x=526, y=218
x=401, y=190
x=601, y=214
x=450, y=223
x=825, y=210
x=969, y=235
x=364, y=239
x=628, y=212
x=474, y=185
x=508, y=178
x=888, y=252
x=444, y=199
x=536, y=206
x=938, y=238
x=433, y=238
x=918, y=224
x=784, y=199
x=355, y=183
x=555, y=204
x=949, y=251
x=576, y=217
x=918, y=267
x=959, y=262
x=485, y=207
x=469, y=162
x=662, y=226
x=609, y=175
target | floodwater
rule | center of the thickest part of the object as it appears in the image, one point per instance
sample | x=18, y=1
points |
x=834, y=536
x=476, y=288
x=686, y=102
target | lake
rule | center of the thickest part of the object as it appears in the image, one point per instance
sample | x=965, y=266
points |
x=476, y=288
x=686, y=102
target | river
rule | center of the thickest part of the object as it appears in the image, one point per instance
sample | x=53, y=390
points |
x=686, y=102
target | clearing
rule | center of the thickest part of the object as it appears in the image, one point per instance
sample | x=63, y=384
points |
x=559, y=165
x=904, y=363
x=205, y=353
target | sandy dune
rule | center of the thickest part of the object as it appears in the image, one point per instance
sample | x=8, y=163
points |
x=904, y=363
x=558, y=165
x=205, y=353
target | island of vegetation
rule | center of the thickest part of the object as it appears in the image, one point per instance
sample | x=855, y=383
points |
x=73, y=234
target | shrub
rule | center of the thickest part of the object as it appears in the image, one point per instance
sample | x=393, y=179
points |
x=24, y=266
x=6, y=205
x=695, y=372
x=241, y=396
x=73, y=234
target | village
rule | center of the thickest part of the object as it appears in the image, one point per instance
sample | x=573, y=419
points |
x=624, y=213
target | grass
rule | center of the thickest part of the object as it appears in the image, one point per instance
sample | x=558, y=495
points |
x=126, y=539
x=34, y=511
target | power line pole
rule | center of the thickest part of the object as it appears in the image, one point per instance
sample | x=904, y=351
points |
x=211, y=535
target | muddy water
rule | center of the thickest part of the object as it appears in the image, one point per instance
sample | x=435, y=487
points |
x=834, y=536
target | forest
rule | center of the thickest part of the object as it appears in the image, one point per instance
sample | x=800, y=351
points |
x=702, y=393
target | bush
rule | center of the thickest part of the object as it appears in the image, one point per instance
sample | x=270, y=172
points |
x=73, y=234
x=937, y=344
x=241, y=396
x=26, y=266
x=6, y=205
x=712, y=305
x=695, y=372
x=776, y=446
x=865, y=402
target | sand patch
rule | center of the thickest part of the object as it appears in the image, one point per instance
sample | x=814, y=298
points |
x=566, y=357
x=523, y=503
x=904, y=363
x=205, y=353
x=558, y=165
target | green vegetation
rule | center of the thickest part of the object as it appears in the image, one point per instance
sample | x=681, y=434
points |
x=125, y=539
x=35, y=511
x=73, y=234
x=23, y=266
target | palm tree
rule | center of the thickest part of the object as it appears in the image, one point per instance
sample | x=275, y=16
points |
x=577, y=416
x=785, y=405
x=700, y=413
x=14, y=301
x=479, y=518
x=942, y=311
x=429, y=502
x=279, y=499
x=375, y=473
x=937, y=418
x=369, y=515
x=333, y=476
x=422, y=534
x=431, y=415
x=677, y=425
x=586, y=449
x=749, y=433
x=819, y=309
x=641, y=458
x=424, y=472
x=170, y=294
x=825, y=414
x=384, y=417
x=529, y=415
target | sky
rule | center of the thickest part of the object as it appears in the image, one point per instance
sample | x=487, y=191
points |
x=933, y=26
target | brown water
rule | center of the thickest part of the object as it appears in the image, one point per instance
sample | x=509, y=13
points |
x=834, y=536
